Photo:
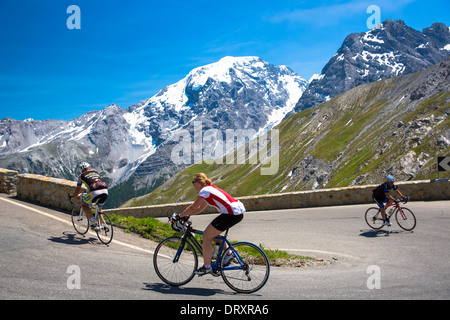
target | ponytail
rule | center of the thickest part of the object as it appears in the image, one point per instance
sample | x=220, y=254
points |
x=202, y=179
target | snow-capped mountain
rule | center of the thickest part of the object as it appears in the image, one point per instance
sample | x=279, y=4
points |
x=244, y=92
x=390, y=50
x=233, y=93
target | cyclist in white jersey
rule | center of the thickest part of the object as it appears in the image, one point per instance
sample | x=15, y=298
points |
x=232, y=212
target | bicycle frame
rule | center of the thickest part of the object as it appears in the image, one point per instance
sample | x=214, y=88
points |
x=188, y=235
x=396, y=204
x=95, y=207
x=104, y=225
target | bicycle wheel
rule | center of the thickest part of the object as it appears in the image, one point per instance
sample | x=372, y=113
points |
x=373, y=218
x=249, y=272
x=405, y=219
x=105, y=234
x=80, y=221
x=175, y=261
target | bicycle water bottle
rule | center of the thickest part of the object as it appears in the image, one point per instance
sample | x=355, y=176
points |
x=215, y=251
x=391, y=211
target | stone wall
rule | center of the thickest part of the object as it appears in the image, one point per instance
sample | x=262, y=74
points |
x=49, y=192
x=8, y=181
x=52, y=192
x=417, y=191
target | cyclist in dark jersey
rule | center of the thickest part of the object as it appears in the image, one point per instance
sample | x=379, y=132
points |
x=97, y=190
x=381, y=196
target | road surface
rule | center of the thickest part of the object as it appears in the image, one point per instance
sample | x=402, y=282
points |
x=41, y=257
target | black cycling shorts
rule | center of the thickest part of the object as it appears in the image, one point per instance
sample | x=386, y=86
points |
x=226, y=221
x=100, y=199
x=380, y=201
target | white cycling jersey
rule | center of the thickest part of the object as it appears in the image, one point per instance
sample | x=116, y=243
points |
x=221, y=200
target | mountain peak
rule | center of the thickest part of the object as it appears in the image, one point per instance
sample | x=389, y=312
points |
x=392, y=49
x=239, y=60
x=220, y=70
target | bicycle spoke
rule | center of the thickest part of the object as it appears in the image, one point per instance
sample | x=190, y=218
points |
x=80, y=221
x=405, y=219
x=250, y=276
x=179, y=272
x=373, y=218
x=105, y=232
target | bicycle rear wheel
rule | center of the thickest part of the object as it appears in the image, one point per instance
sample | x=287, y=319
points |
x=373, y=218
x=249, y=272
x=105, y=234
x=405, y=219
x=80, y=221
x=175, y=261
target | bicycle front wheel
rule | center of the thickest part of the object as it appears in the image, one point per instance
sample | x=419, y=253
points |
x=405, y=219
x=175, y=261
x=248, y=271
x=80, y=221
x=105, y=232
x=373, y=218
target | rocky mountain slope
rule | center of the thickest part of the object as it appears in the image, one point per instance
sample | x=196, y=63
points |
x=395, y=126
x=390, y=50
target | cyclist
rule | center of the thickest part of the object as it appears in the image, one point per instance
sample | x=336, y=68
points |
x=231, y=213
x=97, y=190
x=381, y=196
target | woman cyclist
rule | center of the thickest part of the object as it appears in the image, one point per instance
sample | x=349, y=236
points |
x=381, y=196
x=231, y=211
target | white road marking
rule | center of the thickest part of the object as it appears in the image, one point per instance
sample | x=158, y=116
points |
x=70, y=223
x=320, y=251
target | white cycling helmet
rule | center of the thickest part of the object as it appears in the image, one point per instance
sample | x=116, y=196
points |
x=84, y=166
x=390, y=178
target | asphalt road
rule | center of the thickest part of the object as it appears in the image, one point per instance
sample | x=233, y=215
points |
x=41, y=257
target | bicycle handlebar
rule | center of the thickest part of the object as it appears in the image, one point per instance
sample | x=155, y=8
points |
x=69, y=196
x=176, y=217
x=405, y=199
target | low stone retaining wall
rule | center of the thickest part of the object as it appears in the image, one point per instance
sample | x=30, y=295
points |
x=52, y=192
x=49, y=192
x=417, y=191
x=8, y=181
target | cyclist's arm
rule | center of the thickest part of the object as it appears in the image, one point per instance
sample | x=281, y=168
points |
x=399, y=193
x=198, y=206
x=77, y=192
x=388, y=195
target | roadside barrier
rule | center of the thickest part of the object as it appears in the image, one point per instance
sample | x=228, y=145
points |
x=52, y=192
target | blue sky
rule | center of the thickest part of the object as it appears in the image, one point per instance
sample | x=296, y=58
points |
x=126, y=51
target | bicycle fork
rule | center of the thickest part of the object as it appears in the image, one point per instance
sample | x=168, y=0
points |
x=242, y=263
x=179, y=250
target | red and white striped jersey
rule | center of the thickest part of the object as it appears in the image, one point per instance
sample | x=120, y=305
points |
x=221, y=200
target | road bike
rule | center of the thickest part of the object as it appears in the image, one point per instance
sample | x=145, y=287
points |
x=244, y=266
x=81, y=222
x=404, y=216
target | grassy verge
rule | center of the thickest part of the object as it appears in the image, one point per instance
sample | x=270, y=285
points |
x=153, y=229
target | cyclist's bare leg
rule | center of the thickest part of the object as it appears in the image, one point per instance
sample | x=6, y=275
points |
x=390, y=202
x=100, y=210
x=86, y=210
x=208, y=235
x=383, y=212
